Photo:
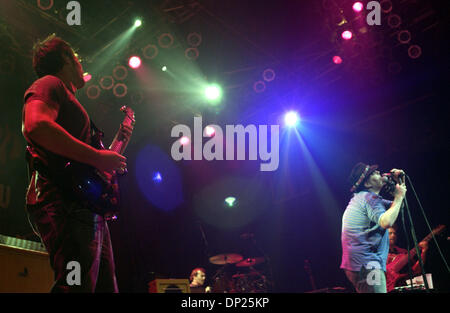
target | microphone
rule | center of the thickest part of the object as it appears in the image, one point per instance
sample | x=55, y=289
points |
x=387, y=176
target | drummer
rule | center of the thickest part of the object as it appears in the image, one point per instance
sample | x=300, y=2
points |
x=197, y=279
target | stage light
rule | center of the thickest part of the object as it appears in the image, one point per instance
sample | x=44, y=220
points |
x=134, y=62
x=347, y=35
x=209, y=131
x=93, y=92
x=337, y=59
x=120, y=72
x=120, y=90
x=291, y=118
x=157, y=178
x=230, y=201
x=137, y=23
x=184, y=140
x=87, y=77
x=358, y=7
x=164, y=68
x=213, y=93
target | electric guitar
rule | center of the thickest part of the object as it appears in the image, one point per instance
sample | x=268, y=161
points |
x=98, y=191
x=393, y=275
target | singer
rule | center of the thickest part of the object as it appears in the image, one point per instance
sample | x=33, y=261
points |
x=365, y=239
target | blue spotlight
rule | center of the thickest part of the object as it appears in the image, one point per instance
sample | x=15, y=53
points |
x=291, y=118
x=157, y=178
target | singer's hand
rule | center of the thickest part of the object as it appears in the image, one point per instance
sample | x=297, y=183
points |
x=398, y=174
x=400, y=191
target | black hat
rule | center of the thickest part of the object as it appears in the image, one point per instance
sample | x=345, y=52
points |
x=359, y=175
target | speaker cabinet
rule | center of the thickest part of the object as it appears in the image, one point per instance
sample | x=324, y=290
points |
x=24, y=271
x=169, y=286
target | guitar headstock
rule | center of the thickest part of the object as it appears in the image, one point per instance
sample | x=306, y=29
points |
x=129, y=114
x=438, y=229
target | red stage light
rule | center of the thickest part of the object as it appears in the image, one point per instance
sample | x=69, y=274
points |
x=134, y=62
x=347, y=35
x=358, y=7
x=337, y=59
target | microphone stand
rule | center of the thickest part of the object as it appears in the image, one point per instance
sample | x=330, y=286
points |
x=407, y=246
x=428, y=224
x=419, y=256
x=413, y=234
x=268, y=262
x=206, y=249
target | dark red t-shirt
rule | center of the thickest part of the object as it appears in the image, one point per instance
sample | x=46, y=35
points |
x=71, y=116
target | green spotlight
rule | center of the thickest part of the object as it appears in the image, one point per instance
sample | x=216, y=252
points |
x=213, y=93
x=137, y=23
x=164, y=68
x=230, y=201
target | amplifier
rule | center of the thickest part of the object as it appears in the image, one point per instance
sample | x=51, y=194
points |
x=169, y=286
x=24, y=270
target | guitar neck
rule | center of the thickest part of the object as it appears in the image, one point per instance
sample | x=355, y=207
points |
x=119, y=144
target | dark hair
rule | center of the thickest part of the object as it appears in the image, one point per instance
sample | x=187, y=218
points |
x=48, y=55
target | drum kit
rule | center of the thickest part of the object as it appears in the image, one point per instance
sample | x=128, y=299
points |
x=246, y=279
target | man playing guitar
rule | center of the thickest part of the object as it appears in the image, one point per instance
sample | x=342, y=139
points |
x=397, y=261
x=57, y=128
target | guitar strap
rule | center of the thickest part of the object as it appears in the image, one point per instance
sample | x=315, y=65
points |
x=94, y=129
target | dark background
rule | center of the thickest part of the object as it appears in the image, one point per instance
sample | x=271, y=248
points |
x=380, y=106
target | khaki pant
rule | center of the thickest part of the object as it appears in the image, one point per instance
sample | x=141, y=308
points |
x=367, y=281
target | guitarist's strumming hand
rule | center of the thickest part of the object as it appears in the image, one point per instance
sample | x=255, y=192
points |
x=423, y=245
x=109, y=161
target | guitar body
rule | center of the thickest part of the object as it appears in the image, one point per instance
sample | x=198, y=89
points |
x=89, y=187
x=99, y=192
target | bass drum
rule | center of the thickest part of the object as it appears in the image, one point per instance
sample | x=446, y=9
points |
x=222, y=285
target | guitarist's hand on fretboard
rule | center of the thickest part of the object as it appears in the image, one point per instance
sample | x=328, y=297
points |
x=125, y=132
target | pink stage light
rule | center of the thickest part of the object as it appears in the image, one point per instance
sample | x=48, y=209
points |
x=134, y=62
x=87, y=77
x=337, y=59
x=358, y=7
x=184, y=140
x=209, y=131
x=347, y=35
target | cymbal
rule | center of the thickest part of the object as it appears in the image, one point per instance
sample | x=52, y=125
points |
x=226, y=258
x=250, y=262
